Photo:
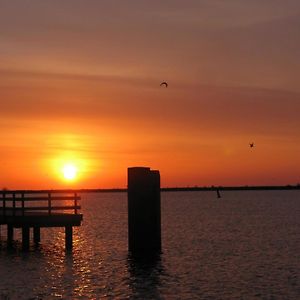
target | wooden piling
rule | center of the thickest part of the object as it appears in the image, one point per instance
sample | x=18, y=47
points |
x=36, y=234
x=10, y=235
x=69, y=237
x=144, y=217
x=25, y=238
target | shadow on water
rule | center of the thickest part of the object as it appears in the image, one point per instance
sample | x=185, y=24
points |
x=146, y=273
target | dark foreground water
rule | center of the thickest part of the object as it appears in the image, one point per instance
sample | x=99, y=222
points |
x=245, y=245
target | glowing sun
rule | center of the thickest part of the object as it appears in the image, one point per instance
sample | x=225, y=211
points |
x=69, y=171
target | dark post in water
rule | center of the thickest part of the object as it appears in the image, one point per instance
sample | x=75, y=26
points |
x=144, y=225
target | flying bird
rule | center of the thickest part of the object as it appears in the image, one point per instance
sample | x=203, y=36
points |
x=164, y=83
x=251, y=145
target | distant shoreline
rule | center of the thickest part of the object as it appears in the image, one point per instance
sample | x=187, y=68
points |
x=164, y=189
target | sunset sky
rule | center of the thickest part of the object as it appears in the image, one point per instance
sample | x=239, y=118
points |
x=80, y=86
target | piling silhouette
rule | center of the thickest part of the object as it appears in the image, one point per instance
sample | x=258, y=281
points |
x=144, y=216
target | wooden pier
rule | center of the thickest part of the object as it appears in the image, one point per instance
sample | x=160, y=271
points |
x=37, y=209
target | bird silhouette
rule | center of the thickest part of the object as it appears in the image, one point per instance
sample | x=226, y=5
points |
x=251, y=145
x=164, y=83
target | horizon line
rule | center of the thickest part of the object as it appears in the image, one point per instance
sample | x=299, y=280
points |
x=162, y=189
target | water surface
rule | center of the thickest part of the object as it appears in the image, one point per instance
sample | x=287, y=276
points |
x=244, y=245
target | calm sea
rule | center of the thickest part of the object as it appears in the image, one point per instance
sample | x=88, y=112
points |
x=245, y=245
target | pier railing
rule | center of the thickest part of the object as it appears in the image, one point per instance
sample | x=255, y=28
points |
x=16, y=203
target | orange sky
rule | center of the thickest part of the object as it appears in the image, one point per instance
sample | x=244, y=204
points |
x=79, y=83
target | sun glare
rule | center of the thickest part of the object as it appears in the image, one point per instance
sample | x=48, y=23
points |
x=69, y=171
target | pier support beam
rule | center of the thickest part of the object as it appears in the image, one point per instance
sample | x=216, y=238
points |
x=10, y=235
x=69, y=237
x=36, y=234
x=25, y=238
x=144, y=217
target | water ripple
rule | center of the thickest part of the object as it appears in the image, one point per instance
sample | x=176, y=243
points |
x=243, y=246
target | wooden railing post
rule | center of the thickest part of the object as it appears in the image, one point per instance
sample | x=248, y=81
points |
x=14, y=204
x=49, y=203
x=75, y=204
x=4, y=204
x=23, y=205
